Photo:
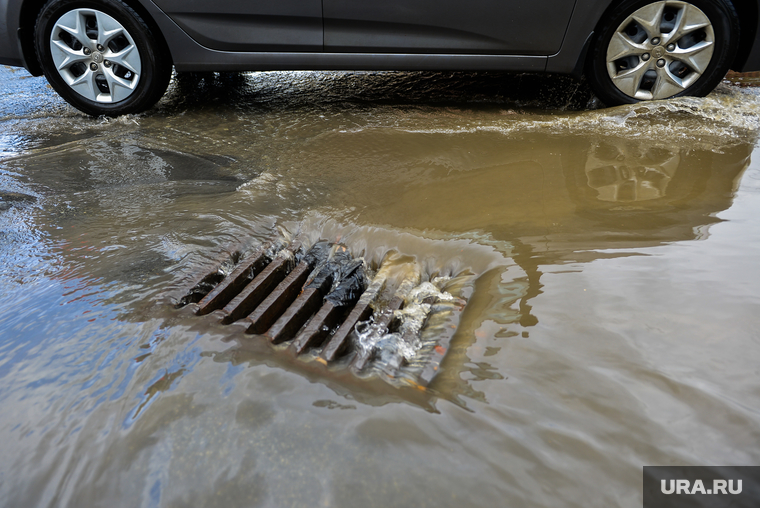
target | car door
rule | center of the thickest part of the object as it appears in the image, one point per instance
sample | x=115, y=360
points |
x=250, y=25
x=516, y=27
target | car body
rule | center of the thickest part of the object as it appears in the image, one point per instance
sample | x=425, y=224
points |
x=510, y=35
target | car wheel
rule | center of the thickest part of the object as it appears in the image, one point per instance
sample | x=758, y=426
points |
x=101, y=56
x=648, y=50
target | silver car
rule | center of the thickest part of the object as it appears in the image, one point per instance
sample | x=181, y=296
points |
x=111, y=57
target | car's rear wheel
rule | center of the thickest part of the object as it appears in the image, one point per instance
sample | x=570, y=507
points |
x=648, y=50
x=101, y=56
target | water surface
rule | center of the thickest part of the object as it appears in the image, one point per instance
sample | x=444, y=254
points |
x=612, y=320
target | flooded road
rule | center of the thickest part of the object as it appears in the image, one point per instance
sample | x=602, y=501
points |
x=613, y=291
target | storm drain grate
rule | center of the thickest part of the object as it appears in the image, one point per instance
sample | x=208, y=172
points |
x=326, y=305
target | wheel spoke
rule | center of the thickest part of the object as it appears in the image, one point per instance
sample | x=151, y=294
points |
x=697, y=57
x=119, y=88
x=108, y=28
x=628, y=81
x=688, y=20
x=667, y=84
x=66, y=56
x=71, y=23
x=649, y=18
x=86, y=86
x=621, y=46
x=127, y=58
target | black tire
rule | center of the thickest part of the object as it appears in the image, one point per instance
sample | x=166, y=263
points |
x=149, y=82
x=724, y=24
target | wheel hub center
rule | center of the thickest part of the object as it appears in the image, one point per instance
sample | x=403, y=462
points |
x=658, y=52
x=97, y=57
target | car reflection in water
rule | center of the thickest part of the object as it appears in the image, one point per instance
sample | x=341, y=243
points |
x=622, y=173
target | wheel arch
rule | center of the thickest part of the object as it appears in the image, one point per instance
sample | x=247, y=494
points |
x=30, y=10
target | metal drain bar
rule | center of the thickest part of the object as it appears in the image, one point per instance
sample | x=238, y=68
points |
x=328, y=307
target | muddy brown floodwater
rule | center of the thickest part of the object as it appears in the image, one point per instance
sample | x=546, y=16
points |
x=613, y=284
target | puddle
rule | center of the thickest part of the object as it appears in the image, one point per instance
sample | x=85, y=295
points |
x=607, y=258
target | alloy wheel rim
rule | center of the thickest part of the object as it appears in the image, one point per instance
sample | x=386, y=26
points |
x=660, y=50
x=95, y=55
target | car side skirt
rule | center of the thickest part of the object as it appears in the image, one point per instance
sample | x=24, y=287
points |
x=209, y=60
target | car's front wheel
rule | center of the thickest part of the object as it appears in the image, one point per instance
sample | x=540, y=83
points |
x=646, y=50
x=101, y=56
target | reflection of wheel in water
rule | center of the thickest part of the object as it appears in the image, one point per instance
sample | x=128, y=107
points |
x=621, y=172
x=101, y=57
x=655, y=50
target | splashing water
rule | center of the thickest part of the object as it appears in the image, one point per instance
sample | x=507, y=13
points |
x=399, y=347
